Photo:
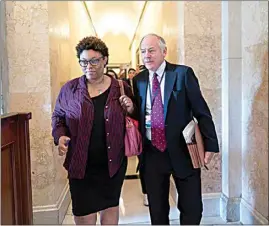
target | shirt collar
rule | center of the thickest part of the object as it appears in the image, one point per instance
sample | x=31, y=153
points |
x=159, y=71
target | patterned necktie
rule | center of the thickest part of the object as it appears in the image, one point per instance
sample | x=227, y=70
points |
x=157, y=117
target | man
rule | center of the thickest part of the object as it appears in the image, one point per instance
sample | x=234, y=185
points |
x=168, y=96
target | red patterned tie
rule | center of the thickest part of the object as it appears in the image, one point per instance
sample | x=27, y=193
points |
x=157, y=116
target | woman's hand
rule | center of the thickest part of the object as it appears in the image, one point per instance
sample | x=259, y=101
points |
x=63, y=145
x=127, y=103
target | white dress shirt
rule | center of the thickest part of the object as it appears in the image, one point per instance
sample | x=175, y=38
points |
x=161, y=73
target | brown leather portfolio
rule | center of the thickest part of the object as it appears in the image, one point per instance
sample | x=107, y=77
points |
x=195, y=144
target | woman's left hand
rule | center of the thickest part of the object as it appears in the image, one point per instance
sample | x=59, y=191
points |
x=127, y=103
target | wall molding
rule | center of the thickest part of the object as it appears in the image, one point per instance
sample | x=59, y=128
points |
x=89, y=15
x=138, y=24
x=53, y=214
x=248, y=215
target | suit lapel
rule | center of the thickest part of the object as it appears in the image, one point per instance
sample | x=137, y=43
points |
x=170, y=78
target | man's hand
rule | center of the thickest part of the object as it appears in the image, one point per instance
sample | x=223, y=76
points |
x=208, y=157
x=127, y=103
x=63, y=145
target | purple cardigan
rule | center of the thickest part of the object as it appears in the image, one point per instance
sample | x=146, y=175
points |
x=73, y=117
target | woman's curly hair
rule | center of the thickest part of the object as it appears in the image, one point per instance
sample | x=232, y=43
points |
x=93, y=43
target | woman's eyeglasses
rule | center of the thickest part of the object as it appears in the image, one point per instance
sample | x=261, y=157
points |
x=93, y=62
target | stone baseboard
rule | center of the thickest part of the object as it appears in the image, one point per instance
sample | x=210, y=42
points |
x=248, y=215
x=53, y=214
x=211, y=201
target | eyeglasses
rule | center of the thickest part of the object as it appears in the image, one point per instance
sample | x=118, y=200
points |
x=93, y=62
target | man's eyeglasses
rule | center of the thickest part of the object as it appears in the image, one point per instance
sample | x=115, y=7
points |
x=93, y=62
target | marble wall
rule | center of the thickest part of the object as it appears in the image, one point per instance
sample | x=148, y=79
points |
x=255, y=105
x=231, y=111
x=173, y=30
x=80, y=26
x=202, y=51
x=40, y=48
x=41, y=37
x=65, y=31
x=3, y=59
x=192, y=31
x=151, y=22
x=60, y=54
x=30, y=88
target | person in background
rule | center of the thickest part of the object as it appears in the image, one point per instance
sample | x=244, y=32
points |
x=112, y=73
x=168, y=96
x=129, y=79
x=88, y=125
x=131, y=73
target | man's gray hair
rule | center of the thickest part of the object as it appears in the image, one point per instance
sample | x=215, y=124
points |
x=162, y=42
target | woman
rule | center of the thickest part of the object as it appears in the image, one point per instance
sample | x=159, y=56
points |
x=88, y=126
x=112, y=73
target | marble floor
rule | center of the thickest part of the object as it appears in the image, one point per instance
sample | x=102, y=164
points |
x=132, y=210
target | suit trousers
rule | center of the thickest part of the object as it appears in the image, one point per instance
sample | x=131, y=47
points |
x=142, y=181
x=157, y=172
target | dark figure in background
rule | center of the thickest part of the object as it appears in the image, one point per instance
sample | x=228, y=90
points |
x=130, y=76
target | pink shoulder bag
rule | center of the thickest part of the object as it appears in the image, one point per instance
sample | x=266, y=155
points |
x=132, y=138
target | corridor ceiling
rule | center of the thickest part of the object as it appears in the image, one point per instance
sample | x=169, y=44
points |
x=117, y=17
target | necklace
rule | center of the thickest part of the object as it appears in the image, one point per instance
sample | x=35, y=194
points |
x=102, y=81
x=99, y=83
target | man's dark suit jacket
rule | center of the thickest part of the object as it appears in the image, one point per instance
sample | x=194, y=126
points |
x=182, y=100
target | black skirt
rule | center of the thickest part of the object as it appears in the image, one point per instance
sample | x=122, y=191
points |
x=96, y=192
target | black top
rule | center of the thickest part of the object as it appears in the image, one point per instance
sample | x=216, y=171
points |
x=97, y=154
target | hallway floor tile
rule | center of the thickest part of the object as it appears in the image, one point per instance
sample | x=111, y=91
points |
x=132, y=210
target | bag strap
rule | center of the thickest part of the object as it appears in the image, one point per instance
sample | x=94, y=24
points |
x=122, y=93
x=121, y=87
